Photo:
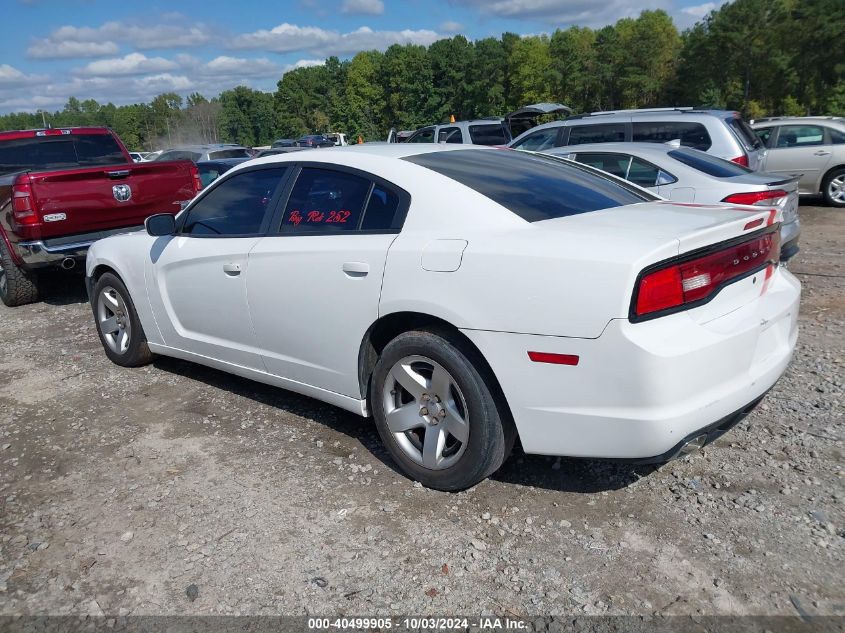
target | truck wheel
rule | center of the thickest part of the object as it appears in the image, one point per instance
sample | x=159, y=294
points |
x=833, y=188
x=436, y=411
x=17, y=286
x=117, y=323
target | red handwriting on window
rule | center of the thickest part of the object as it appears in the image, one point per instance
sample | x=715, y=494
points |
x=339, y=217
x=295, y=217
x=315, y=216
x=319, y=217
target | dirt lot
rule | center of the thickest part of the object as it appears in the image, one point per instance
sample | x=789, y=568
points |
x=121, y=489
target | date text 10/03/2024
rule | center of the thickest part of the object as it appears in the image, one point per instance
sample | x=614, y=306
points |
x=418, y=623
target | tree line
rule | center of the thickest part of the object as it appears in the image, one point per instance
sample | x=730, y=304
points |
x=762, y=57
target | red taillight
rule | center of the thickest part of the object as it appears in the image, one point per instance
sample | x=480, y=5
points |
x=23, y=207
x=195, y=173
x=755, y=197
x=741, y=160
x=688, y=282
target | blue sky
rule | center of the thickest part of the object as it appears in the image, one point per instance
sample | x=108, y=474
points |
x=125, y=52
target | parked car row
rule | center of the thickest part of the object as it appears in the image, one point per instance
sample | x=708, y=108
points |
x=466, y=297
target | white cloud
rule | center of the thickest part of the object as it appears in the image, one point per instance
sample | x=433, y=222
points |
x=131, y=64
x=451, y=27
x=83, y=41
x=363, y=7
x=54, y=49
x=303, y=63
x=225, y=66
x=11, y=77
x=565, y=12
x=699, y=11
x=286, y=38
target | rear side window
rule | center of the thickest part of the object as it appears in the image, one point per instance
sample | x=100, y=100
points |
x=540, y=140
x=616, y=164
x=59, y=152
x=601, y=133
x=534, y=187
x=710, y=165
x=488, y=135
x=631, y=168
x=324, y=200
x=382, y=211
x=689, y=133
x=744, y=132
x=236, y=207
x=228, y=153
x=800, y=136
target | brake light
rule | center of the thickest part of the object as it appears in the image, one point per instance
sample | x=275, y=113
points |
x=195, y=174
x=680, y=284
x=23, y=207
x=755, y=197
x=741, y=160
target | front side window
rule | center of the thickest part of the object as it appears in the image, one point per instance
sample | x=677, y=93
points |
x=324, y=200
x=236, y=207
x=540, y=140
x=488, y=135
x=450, y=135
x=534, y=187
x=688, y=133
x=600, y=133
x=800, y=136
x=425, y=135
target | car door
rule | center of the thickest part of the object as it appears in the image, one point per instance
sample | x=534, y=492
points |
x=799, y=149
x=314, y=285
x=197, y=278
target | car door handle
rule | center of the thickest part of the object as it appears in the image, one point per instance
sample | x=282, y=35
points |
x=356, y=269
x=232, y=270
x=821, y=152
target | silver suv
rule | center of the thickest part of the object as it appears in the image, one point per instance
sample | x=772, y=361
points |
x=811, y=146
x=719, y=132
x=478, y=132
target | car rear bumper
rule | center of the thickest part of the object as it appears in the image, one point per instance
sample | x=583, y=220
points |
x=55, y=251
x=789, y=234
x=641, y=390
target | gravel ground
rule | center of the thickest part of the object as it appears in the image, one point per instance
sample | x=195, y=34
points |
x=175, y=489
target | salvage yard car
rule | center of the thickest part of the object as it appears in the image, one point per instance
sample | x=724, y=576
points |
x=63, y=188
x=683, y=174
x=463, y=296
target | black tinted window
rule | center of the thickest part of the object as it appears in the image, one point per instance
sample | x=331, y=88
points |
x=228, y=153
x=450, y=135
x=325, y=200
x=540, y=140
x=532, y=186
x=643, y=173
x=382, y=209
x=616, y=164
x=744, y=132
x=425, y=135
x=710, y=165
x=601, y=133
x=179, y=155
x=488, y=135
x=765, y=135
x=836, y=137
x=236, y=206
x=58, y=152
x=690, y=134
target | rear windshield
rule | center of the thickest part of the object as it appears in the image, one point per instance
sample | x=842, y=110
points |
x=532, y=186
x=59, y=152
x=746, y=135
x=488, y=135
x=228, y=153
x=710, y=165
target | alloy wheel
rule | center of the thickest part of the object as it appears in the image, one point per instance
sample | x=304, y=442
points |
x=113, y=320
x=836, y=189
x=426, y=412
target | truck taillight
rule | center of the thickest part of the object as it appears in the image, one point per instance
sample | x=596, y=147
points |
x=195, y=173
x=756, y=197
x=741, y=160
x=690, y=281
x=23, y=207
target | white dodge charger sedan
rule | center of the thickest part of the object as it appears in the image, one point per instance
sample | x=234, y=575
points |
x=463, y=297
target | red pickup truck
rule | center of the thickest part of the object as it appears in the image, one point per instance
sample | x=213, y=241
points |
x=62, y=189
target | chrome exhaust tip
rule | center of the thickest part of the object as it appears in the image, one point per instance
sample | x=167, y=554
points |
x=693, y=445
x=68, y=263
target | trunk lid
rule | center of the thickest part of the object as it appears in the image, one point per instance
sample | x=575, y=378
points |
x=91, y=199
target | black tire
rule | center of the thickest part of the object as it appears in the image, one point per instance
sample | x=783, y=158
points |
x=491, y=431
x=17, y=286
x=136, y=352
x=838, y=173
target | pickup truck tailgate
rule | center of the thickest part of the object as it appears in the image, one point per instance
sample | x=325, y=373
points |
x=101, y=198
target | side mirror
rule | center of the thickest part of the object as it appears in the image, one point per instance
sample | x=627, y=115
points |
x=160, y=224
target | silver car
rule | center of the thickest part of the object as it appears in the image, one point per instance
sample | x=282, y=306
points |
x=197, y=153
x=722, y=133
x=682, y=174
x=811, y=146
